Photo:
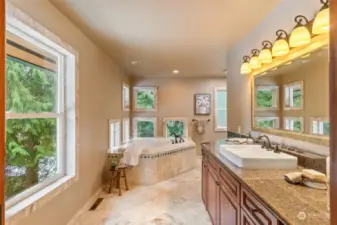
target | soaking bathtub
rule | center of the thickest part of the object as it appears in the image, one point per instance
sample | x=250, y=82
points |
x=161, y=160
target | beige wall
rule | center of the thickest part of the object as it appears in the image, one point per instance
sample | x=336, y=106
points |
x=100, y=83
x=239, y=90
x=176, y=99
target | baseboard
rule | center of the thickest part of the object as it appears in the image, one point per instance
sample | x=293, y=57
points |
x=86, y=206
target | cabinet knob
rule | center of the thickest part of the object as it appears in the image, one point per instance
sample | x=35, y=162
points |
x=217, y=183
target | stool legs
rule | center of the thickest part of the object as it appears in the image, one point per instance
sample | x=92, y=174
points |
x=116, y=176
x=125, y=180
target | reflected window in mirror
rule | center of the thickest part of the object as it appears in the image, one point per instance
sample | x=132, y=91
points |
x=293, y=124
x=267, y=122
x=293, y=96
x=320, y=126
x=267, y=97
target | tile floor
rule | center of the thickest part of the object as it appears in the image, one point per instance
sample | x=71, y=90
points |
x=172, y=202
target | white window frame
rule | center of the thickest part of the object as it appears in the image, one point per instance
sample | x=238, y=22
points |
x=66, y=96
x=291, y=125
x=275, y=98
x=125, y=88
x=180, y=119
x=114, y=134
x=216, y=109
x=126, y=130
x=320, y=123
x=134, y=98
x=65, y=114
x=135, y=121
x=276, y=122
x=288, y=95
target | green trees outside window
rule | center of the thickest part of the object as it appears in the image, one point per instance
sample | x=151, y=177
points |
x=264, y=98
x=145, y=99
x=30, y=142
x=176, y=127
x=145, y=129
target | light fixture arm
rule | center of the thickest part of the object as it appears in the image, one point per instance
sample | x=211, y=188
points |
x=282, y=34
x=255, y=52
x=267, y=45
x=301, y=21
x=246, y=59
x=325, y=4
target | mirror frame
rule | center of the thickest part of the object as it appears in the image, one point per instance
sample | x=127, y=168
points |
x=316, y=43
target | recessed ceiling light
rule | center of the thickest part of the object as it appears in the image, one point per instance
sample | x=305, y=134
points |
x=175, y=71
x=135, y=62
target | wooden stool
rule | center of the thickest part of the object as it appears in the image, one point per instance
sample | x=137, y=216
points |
x=116, y=176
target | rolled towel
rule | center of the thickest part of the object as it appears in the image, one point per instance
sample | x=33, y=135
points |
x=314, y=176
x=294, y=178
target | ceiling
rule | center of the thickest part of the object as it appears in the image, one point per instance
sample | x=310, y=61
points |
x=192, y=36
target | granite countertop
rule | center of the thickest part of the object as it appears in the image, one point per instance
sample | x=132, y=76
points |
x=294, y=204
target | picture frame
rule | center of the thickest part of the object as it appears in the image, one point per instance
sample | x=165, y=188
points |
x=202, y=104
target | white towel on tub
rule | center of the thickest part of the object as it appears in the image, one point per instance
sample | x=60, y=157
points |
x=131, y=154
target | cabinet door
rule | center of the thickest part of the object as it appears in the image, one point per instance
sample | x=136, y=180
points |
x=245, y=220
x=229, y=209
x=212, y=197
x=204, y=182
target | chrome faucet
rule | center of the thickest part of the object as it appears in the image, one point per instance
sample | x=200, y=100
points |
x=264, y=145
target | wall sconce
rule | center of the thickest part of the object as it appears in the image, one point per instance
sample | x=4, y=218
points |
x=255, y=62
x=322, y=20
x=281, y=46
x=265, y=54
x=300, y=35
x=245, y=67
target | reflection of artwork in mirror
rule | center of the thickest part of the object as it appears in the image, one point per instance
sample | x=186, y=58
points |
x=293, y=95
x=145, y=98
x=320, y=126
x=293, y=124
x=267, y=97
x=267, y=122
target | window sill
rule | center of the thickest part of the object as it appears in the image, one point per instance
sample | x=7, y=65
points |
x=27, y=206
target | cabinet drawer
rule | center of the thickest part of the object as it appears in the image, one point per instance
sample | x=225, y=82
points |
x=230, y=183
x=245, y=220
x=255, y=210
x=213, y=165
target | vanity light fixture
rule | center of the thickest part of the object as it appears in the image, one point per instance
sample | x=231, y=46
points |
x=245, y=67
x=255, y=62
x=265, y=55
x=300, y=35
x=322, y=20
x=281, y=46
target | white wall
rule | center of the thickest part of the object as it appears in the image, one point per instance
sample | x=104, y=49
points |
x=239, y=89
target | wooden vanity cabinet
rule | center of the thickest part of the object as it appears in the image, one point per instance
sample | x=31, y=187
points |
x=227, y=201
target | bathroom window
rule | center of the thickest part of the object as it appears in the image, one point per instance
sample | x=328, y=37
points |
x=144, y=127
x=144, y=98
x=40, y=113
x=267, y=122
x=126, y=130
x=293, y=124
x=220, y=114
x=176, y=125
x=320, y=127
x=267, y=97
x=126, y=97
x=293, y=96
x=114, y=134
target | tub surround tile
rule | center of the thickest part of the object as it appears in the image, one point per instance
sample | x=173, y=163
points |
x=287, y=200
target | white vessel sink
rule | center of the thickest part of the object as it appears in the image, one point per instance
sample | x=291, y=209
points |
x=255, y=157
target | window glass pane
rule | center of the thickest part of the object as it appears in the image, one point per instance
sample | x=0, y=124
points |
x=222, y=99
x=266, y=123
x=297, y=98
x=145, y=99
x=222, y=118
x=176, y=127
x=31, y=155
x=31, y=76
x=326, y=128
x=297, y=125
x=265, y=98
x=145, y=129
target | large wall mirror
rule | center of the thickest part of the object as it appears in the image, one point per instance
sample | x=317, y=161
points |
x=292, y=100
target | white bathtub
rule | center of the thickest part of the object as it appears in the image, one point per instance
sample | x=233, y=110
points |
x=161, y=160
